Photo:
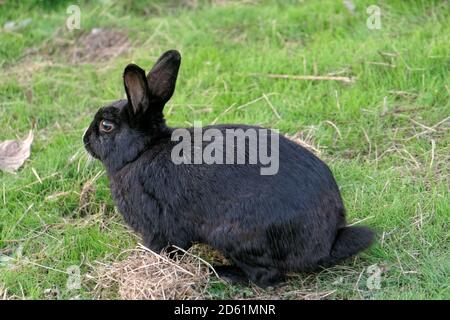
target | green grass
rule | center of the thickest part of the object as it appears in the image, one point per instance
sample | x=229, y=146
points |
x=390, y=175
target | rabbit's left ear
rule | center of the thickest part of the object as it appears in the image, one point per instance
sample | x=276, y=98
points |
x=163, y=77
x=136, y=88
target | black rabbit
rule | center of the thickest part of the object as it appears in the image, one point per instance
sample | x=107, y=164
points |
x=266, y=225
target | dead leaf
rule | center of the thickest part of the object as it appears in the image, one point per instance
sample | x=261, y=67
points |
x=13, y=153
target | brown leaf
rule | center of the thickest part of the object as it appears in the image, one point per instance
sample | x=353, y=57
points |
x=13, y=153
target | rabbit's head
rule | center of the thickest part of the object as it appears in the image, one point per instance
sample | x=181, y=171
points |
x=121, y=131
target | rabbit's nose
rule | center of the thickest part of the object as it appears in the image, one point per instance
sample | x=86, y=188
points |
x=84, y=133
x=84, y=137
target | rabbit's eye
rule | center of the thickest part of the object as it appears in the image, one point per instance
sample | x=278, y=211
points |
x=106, y=126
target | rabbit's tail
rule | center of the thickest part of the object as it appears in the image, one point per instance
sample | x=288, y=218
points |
x=349, y=241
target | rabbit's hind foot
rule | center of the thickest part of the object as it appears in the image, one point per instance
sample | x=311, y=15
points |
x=266, y=277
x=231, y=274
x=263, y=277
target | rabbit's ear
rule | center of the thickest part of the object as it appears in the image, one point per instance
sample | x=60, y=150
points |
x=137, y=88
x=163, y=76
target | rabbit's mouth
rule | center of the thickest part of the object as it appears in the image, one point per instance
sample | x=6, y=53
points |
x=87, y=144
x=90, y=153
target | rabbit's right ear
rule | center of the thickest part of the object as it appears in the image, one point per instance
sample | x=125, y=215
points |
x=163, y=77
x=136, y=88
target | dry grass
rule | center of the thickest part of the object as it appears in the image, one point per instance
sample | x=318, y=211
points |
x=146, y=275
x=60, y=50
x=346, y=80
x=98, y=45
x=3, y=293
x=305, y=139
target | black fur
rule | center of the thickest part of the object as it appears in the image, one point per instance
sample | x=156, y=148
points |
x=266, y=225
